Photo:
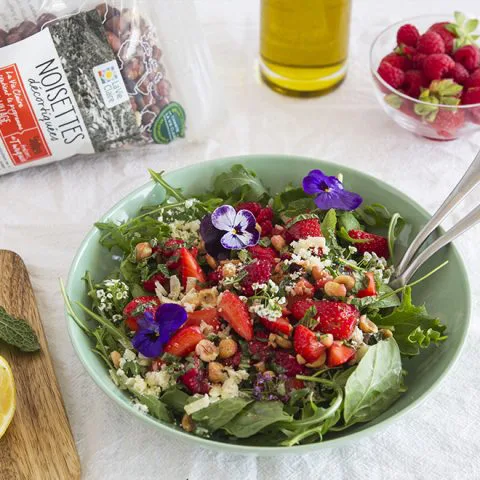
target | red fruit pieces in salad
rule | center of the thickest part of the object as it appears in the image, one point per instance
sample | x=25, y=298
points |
x=288, y=363
x=236, y=314
x=305, y=228
x=150, y=284
x=252, y=207
x=307, y=344
x=375, y=243
x=263, y=253
x=137, y=307
x=337, y=318
x=280, y=325
x=258, y=272
x=209, y=316
x=370, y=290
x=408, y=35
x=299, y=306
x=190, y=268
x=195, y=380
x=338, y=354
x=184, y=341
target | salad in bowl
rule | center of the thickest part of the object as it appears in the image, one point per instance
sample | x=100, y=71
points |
x=255, y=318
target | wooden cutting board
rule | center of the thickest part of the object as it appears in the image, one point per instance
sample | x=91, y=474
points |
x=38, y=444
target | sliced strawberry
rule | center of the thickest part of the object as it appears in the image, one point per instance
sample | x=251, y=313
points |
x=209, y=316
x=149, y=285
x=190, y=268
x=375, y=243
x=184, y=341
x=236, y=314
x=263, y=253
x=371, y=289
x=338, y=354
x=280, y=325
x=293, y=383
x=337, y=318
x=195, y=380
x=305, y=228
x=307, y=344
x=299, y=305
x=134, y=309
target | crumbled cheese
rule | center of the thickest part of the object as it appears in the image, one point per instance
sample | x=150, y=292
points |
x=129, y=356
x=197, y=405
x=160, y=378
x=159, y=289
x=175, y=288
x=184, y=230
x=191, y=283
x=140, y=407
x=230, y=388
x=357, y=337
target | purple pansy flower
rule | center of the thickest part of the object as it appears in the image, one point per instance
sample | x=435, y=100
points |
x=226, y=229
x=156, y=330
x=329, y=192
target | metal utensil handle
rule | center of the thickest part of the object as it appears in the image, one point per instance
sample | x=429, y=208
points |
x=462, y=226
x=464, y=186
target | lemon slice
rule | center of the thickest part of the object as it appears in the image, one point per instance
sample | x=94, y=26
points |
x=7, y=396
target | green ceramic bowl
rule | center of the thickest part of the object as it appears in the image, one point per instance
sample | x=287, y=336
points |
x=446, y=294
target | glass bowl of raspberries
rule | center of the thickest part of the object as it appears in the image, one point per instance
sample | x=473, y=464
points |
x=426, y=72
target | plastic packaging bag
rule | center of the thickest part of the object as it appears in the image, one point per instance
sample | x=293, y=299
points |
x=81, y=78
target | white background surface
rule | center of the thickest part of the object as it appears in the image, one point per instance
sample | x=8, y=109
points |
x=46, y=212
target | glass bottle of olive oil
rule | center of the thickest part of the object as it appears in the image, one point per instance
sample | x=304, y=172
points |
x=304, y=45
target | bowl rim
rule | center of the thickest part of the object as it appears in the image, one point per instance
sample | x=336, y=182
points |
x=171, y=430
x=377, y=77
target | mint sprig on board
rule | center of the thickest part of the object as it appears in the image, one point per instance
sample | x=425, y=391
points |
x=17, y=332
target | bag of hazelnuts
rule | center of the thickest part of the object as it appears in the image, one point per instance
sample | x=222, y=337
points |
x=86, y=77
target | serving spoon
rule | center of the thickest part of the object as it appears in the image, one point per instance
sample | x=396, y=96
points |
x=409, y=263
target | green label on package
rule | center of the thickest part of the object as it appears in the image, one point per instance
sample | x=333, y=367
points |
x=170, y=123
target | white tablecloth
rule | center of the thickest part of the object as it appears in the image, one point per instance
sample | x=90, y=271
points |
x=46, y=212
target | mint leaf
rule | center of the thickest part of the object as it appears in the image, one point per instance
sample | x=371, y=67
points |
x=413, y=328
x=239, y=179
x=17, y=332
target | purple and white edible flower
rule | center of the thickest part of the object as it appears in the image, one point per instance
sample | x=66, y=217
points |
x=156, y=330
x=226, y=229
x=329, y=192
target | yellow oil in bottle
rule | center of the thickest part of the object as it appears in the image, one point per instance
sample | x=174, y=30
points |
x=304, y=45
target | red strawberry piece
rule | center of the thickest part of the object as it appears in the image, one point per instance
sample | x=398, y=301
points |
x=184, y=341
x=278, y=230
x=195, y=380
x=267, y=228
x=375, y=243
x=418, y=59
x=447, y=37
x=468, y=56
x=473, y=80
x=292, y=384
x=391, y=75
x=236, y=314
x=337, y=318
x=288, y=363
x=190, y=268
x=280, y=325
x=134, y=309
x=398, y=61
x=338, y=354
x=414, y=80
x=447, y=121
x=149, y=285
x=252, y=207
x=234, y=360
x=370, y=290
x=257, y=272
x=307, y=344
x=459, y=74
x=436, y=66
x=208, y=316
x=300, y=306
x=263, y=253
x=172, y=246
x=306, y=228
x=408, y=35
x=431, y=42
x=471, y=96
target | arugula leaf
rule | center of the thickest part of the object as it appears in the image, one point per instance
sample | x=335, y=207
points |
x=236, y=180
x=375, y=215
x=156, y=407
x=175, y=398
x=170, y=191
x=218, y=414
x=17, y=332
x=328, y=226
x=293, y=201
x=256, y=417
x=413, y=328
x=375, y=384
x=395, y=227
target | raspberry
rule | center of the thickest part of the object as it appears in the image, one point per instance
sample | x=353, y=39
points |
x=233, y=361
x=215, y=276
x=258, y=347
x=431, y=42
x=288, y=364
x=172, y=246
x=447, y=37
x=447, y=122
x=195, y=380
x=300, y=307
x=263, y=253
x=459, y=74
x=265, y=214
x=149, y=285
x=252, y=207
x=468, y=56
x=391, y=75
x=267, y=228
x=471, y=96
x=398, y=61
x=257, y=272
x=436, y=66
x=306, y=228
x=408, y=35
x=414, y=79
x=473, y=80
x=375, y=243
x=418, y=59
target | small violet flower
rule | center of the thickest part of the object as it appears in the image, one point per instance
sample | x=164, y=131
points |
x=226, y=229
x=155, y=330
x=329, y=192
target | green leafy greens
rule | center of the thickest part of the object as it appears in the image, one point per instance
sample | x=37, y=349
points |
x=17, y=332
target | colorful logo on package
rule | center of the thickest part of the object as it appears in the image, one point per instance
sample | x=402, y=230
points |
x=110, y=83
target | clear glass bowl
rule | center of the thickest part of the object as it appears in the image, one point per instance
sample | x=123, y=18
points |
x=401, y=108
